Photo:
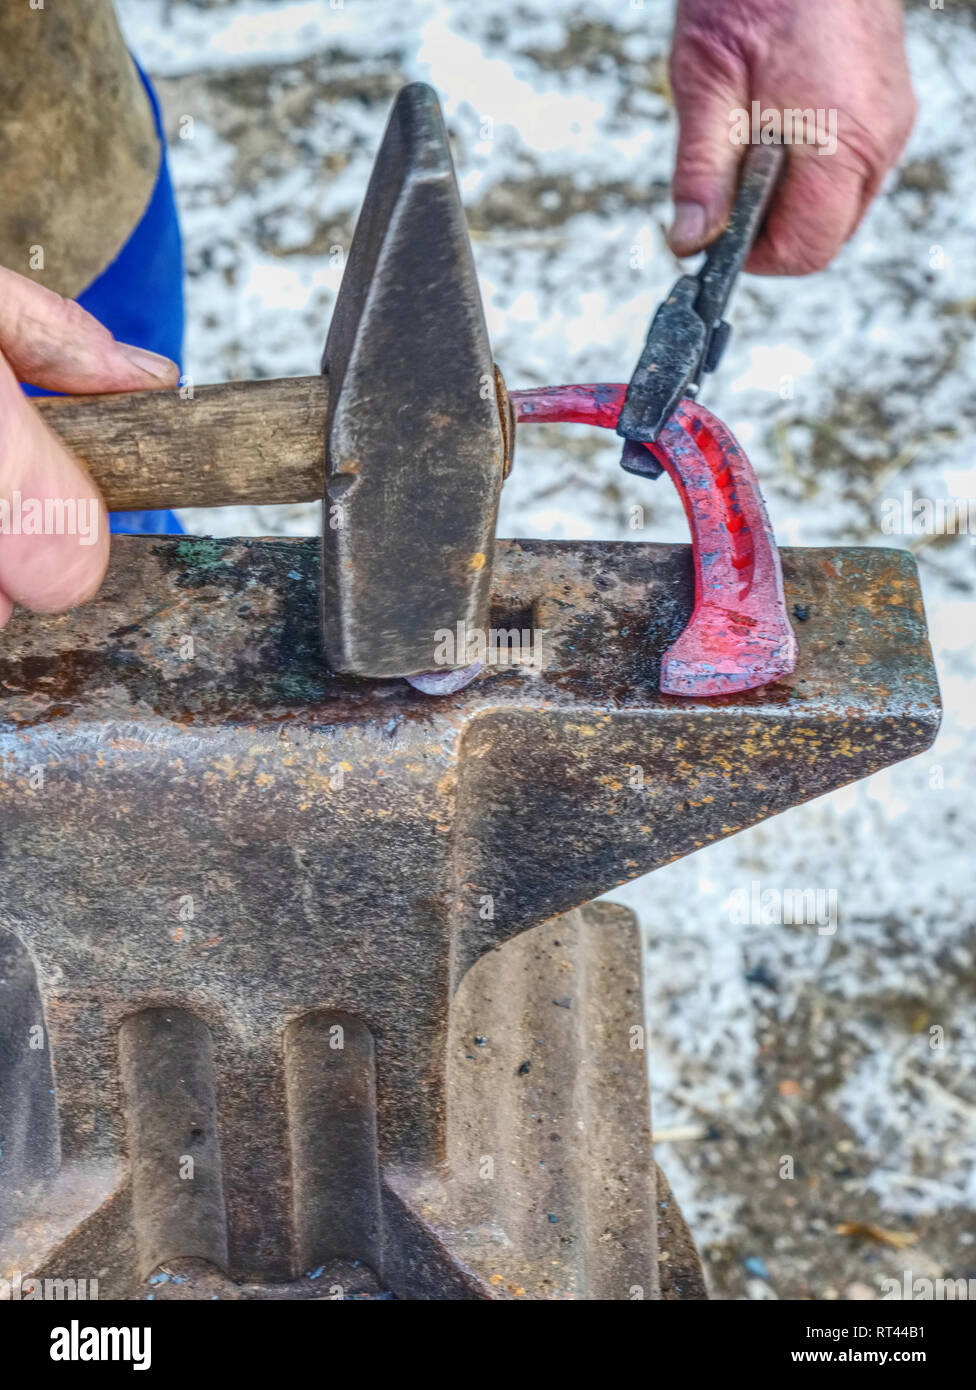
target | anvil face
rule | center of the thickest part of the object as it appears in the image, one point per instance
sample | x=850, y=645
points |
x=225, y=832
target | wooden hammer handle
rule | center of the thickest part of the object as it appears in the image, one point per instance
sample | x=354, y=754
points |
x=236, y=443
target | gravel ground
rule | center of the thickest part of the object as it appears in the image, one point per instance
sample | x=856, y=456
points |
x=847, y=389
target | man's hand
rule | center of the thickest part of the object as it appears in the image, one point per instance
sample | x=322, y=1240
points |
x=842, y=55
x=53, y=343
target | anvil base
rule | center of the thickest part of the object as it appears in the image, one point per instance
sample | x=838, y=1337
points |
x=291, y=989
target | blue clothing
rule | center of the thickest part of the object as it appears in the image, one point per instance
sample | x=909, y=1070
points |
x=139, y=298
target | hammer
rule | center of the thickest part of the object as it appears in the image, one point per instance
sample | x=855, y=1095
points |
x=405, y=436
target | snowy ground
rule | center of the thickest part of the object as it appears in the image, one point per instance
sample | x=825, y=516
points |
x=767, y=1041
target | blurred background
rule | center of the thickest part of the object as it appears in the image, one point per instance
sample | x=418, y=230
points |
x=846, y=389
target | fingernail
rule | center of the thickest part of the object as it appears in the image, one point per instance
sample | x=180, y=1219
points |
x=159, y=367
x=688, y=228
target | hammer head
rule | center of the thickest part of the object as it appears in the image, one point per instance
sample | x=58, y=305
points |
x=415, y=440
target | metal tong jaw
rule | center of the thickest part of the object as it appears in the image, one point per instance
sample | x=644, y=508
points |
x=688, y=333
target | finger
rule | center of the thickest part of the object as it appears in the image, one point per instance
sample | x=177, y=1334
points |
x=709, y=85
x=816, y=209
x=43, y=487
x=54, y=343
x=6, y=608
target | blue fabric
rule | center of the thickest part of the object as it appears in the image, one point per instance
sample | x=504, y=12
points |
x=139, y=298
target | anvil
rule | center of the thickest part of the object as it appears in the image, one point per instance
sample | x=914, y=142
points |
x=296, y=991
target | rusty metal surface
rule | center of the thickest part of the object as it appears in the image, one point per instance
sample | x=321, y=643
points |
x=416, y=449
x=225, y=836
x=680, y=1275
x=548, y=1133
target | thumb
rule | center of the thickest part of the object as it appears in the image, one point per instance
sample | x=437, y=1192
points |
x=55, y=344
x=708, y=87
x=53, y=526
